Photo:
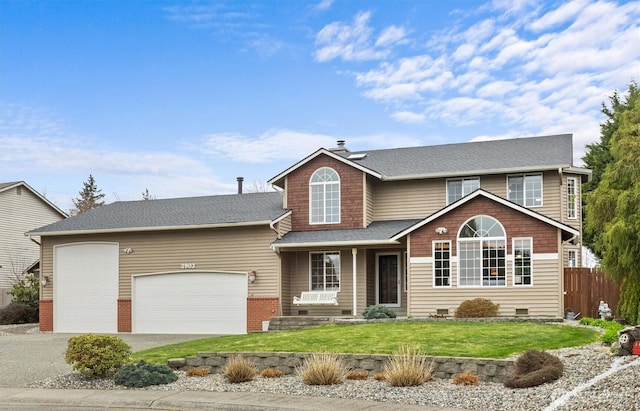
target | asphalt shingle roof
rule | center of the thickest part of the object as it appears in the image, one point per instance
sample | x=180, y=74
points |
x=472, y=157
x=175, y=212
x=376, y=231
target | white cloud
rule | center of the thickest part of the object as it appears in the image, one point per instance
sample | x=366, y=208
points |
x=324, y=5
x=354, y=42
x=558, y=16
x=408, y=117
x=270, y=146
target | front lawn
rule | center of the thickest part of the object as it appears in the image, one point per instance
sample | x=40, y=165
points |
x=460, y=339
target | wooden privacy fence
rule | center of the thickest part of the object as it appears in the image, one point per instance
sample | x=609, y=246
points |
x=584, y=288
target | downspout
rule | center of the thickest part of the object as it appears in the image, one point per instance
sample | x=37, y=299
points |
x=354, y=254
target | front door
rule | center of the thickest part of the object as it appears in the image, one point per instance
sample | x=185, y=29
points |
x=388, y=279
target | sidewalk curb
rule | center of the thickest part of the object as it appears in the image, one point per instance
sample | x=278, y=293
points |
x=187, y=400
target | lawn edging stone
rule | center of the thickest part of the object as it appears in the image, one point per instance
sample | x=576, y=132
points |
x=487, y=369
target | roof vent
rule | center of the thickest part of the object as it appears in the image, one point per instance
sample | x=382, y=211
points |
x=240, y=180
x=357, y=156
x=341, y=147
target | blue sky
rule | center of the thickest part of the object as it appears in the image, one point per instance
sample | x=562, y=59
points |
x=182, y=97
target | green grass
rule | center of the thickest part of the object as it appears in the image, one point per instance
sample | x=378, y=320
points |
x=461, y=339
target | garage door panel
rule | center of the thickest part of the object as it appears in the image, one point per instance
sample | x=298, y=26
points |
x=193, y=302
x=86, y=287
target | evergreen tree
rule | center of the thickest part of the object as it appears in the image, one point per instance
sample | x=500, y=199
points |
x=613, y=207
x=90, y=197
x=147, y=196
x=599, y=154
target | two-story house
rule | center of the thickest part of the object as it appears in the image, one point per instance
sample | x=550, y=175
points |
x=418, y=229
x=21, y=209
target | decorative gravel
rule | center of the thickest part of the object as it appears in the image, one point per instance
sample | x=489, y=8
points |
x=619, y=391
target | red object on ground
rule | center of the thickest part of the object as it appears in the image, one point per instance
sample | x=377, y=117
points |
x=636, y=348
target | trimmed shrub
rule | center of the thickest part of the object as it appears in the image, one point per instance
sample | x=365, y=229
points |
x=143, y=374
x=198, y=372
x=18, y=313
x=239, y=369
x=322, y=369
x=535, y=368
x=378, y=311
x=97, y=355
x=357, y=375
x=477, y=308
x=408, y=367
x=466, y=378
x=26, y=291
x=271, y=373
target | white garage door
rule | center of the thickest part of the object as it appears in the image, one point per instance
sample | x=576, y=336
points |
x=85, y=281
x=190, y=303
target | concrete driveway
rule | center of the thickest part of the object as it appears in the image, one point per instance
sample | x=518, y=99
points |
x=27, y=356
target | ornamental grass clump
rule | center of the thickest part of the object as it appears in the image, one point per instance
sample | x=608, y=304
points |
x=535, y=368
x=97, y=355
x=143, y=374
x=239, y=369
x=322, y=369
x=408, y=367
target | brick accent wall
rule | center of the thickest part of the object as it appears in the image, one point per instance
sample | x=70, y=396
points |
x=545, y=236
x=260, y=309
x=351, y=195
x=124, y=316
x=46, y=315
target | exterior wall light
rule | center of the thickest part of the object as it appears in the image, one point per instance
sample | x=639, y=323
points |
x=127, y=250
x=441, y=230
x=252, y=276
x=44, y=280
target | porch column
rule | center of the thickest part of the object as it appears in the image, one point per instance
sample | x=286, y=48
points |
x=354, y=254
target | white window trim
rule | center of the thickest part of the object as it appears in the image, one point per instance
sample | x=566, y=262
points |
x=433, y=267
x=405, y=266
x=569, y=258
x=397, y=254
x=525, y=189
x=513, y=261
x=575, y=202
x=325, y=210
x=325, y=273
x=458, y=264
x=458, y=179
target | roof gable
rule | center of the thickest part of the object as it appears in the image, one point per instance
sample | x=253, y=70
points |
x=275, y=180
x=10, y=185
x=497, y=199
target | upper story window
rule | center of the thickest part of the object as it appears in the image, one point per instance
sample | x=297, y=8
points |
x=458, y=188
x=525, y=189
x=481, y=253
x=324, y=194
x=572, y=197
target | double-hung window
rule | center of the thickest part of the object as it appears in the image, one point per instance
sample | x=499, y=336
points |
x=460, y=187
x=325, y=271
x=324, y=194
x=525, y=189
x=481, y=253
x=442, y=263
x=522, y=268
x=572, y=198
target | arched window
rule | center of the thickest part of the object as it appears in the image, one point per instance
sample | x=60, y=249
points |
x=481, y=253
x=324, y=194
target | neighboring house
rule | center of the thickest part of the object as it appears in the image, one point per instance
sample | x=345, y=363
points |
x=21, y=209
x=417, y=229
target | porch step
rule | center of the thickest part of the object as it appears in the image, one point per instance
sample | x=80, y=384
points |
x=290, y=323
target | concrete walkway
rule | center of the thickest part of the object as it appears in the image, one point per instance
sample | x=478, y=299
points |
x=191, y=400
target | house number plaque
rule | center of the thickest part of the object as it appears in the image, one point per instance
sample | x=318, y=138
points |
x=188, y=266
